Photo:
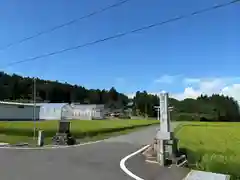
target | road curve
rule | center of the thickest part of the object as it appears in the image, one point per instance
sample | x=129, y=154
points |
x=93, y=161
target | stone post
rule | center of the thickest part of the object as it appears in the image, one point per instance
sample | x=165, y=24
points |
x=163, y=135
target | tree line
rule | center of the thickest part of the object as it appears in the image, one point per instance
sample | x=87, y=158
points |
x=204, y=108
x=20, y=89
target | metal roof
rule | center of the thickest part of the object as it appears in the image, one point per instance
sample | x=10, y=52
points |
x=51, y=105
x=17, y=103
x=87, y=106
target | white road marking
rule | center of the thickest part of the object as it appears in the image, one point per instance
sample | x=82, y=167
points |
x=123, y=167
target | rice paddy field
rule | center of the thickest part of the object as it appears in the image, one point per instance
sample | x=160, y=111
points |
x=23, y=131
x=211, y=146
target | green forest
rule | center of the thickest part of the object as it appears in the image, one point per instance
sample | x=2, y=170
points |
x=204, y=108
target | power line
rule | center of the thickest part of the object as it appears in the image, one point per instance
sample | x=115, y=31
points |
x=126, y=33
x=65, y=24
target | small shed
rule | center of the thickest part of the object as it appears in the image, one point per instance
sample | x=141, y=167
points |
x=13, y=111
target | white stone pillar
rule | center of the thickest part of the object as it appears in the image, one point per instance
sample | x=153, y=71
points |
x=164, y=134
x=161, y=152
x=164, y=119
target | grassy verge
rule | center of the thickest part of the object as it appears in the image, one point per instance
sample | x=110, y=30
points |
x=13, y=132
x=211, y=146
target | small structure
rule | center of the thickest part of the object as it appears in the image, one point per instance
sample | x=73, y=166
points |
x=166, y=149
x=66, y=117
x=13, y=111
x=63, y=136
x=164, y=135
x=195, y=175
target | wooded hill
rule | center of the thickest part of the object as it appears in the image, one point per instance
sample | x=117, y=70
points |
x=213, y=108
x=204, y=108
x=20, y=89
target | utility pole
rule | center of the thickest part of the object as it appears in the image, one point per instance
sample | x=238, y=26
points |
x=34, y=108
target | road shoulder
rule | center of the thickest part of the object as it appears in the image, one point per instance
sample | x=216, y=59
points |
x=153, y=171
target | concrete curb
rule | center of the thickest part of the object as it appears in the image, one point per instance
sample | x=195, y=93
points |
x=51, y=147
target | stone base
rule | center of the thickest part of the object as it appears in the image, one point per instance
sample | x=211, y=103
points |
x=151, y=155
x=63, y=139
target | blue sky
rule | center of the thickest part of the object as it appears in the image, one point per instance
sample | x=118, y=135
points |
x=204, y=47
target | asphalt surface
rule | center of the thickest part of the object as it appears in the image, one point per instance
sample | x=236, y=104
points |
x=87, y=162
x=97, y=161
x=152, y=171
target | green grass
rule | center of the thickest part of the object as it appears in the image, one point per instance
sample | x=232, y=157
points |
x=13, y=132
x=211, y=146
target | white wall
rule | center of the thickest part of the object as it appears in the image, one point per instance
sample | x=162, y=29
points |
x=82, y=114
x=14, y=112
x=50, y=113
x=88, y=111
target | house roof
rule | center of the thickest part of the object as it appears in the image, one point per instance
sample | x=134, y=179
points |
x=54, y=105
x=51, y=105
x=86, y=106
x=17, y=103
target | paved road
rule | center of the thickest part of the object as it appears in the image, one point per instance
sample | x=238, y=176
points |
x=96, y=161
x=88, y=162
x=152, y=171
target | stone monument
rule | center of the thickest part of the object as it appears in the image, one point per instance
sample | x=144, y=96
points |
x=165, y=138
x=63, y=136
x=167, y=149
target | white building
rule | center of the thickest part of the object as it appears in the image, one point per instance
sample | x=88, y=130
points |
x=88, y=111
x=12, y=111
x=49, y=111
x=52, y=111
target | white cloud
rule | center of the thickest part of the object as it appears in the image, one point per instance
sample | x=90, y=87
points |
x=189, y=92
x=167, y=79
x=233, y=91
x=194, y=87
x=209, y=86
